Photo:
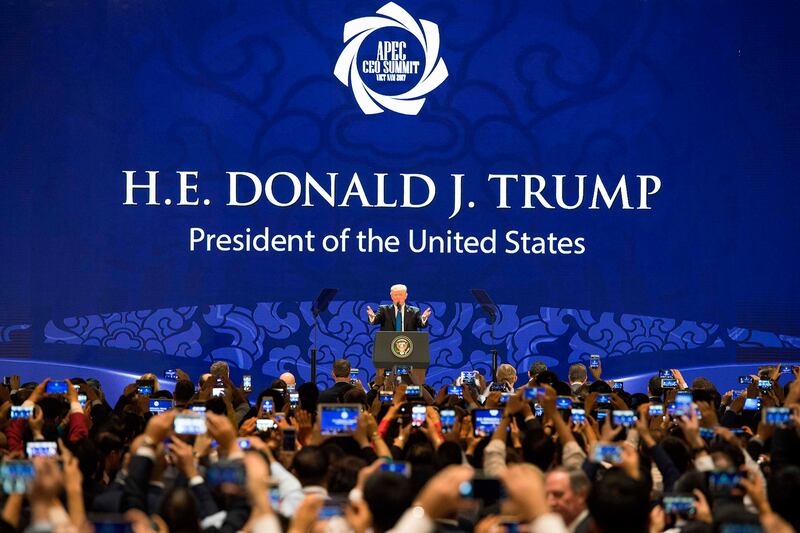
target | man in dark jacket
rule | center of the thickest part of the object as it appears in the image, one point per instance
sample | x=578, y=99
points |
x=341, y=375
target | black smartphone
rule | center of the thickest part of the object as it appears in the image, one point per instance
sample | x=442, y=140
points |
x=289, y=439
x=485, y=489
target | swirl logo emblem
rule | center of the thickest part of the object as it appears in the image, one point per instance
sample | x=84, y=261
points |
x=433, y=74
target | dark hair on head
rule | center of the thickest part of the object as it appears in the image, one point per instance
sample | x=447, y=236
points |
x=132, y=424
x=88, y=456
x=388, y=496
x=619, y=503
x=730, y=512
x=337, y=448
x=184, y=390
x=538, y=449
x=693, y=479
x=654, y=387
x=279, y=398
x=77, y=381
x=355, y=395
x=600, y=386
x=343, y=474
x=161, y=394
x=547, y=377
x=702, y=395
x=562, y=389
x=266, y=393
x=678, y=450
x=108, y=442
x=53, y=408
x=179, y=510
x=278, y=385
x=638, y=399
x=100, y=414
x=310, y=465
x=784, y=486
x=420, y=453
x=448, y=453
x=341, y=368
x=536, y=368
x=309, y=397
x=217, y=406
x=625, y=397
x=703, y=383
x=711, y=396
x=731, y=450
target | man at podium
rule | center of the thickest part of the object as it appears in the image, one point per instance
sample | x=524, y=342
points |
x=398, y=316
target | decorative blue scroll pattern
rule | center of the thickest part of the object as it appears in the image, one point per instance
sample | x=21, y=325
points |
x=275, y=337
x=7, y=330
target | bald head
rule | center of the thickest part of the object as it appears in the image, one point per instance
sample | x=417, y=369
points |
x=288, y=378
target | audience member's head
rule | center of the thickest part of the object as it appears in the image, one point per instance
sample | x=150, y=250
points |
x=220, y=369
x=567, y=491
x=388, y=496
x=288, y=378
x=310, y=466
x=507, y=374
x=618, y=502
x=654, y=388
x=341, y=370
x=184, y=390
x=537, y=367
x=577, y=376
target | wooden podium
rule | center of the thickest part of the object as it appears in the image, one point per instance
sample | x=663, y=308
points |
x=397, y=348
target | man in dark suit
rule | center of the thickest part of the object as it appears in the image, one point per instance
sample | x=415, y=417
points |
x=341, y=376
x=398, y=316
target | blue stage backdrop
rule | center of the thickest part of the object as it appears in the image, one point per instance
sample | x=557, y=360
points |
x=180, y=179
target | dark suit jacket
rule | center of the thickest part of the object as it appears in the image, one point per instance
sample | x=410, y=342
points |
x=385, y=318
x=335, y=393
x=583, y=525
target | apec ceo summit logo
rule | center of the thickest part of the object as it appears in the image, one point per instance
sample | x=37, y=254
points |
x=381, y=62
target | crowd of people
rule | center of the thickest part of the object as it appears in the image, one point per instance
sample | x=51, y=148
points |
x=479, y=454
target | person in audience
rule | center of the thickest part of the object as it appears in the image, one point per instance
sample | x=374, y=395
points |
x=220, y=369
x=508, y=460
x=537, y=367
x=341, y=378
x=577, y=376
x=567, y=491
x=506, y=378
x=288, y=378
